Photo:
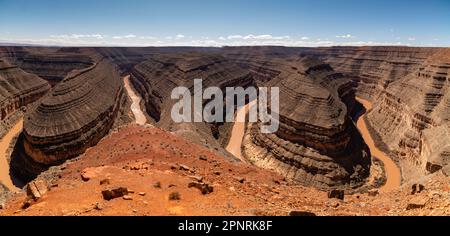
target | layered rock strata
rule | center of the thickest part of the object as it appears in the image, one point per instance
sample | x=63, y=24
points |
x=317, y=143
x=412, y=117
x=18, y=88
x=373, y=68
x=51, y=64
x=154, y=79
x=75, y=115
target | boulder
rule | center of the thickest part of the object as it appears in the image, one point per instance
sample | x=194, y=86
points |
x=36, y=189
x=203, y=187
x=115, y=192
x=416, y=203
x=336, y=193
x=417, y=188
x=91, y=173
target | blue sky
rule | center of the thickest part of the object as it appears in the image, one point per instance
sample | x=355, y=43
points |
x=226, y=22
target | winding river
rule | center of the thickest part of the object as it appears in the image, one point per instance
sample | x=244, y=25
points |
x=5, y=177
x=237, y=133
x=136, y=102
x=393, y=175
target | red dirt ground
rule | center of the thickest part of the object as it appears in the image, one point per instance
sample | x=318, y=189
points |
x=137, y=157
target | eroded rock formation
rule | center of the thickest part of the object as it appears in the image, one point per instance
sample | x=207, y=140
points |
x=155, y=79
x=75, y=115
x=18, y=88
x=51, y=64
x=412, y=117
x=317, y=143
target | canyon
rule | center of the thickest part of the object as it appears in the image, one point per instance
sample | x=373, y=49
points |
x=352, y=119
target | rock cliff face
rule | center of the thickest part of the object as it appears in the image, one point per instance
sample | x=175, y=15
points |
x=412, y=117
x=317, y=143
x=75, y=115
x=374, y=68
x=18, y=88
x=155, y=79
x=51, y=64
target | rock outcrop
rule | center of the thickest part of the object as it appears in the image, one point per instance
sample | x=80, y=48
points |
x=317, y=143
x=75, y=115
x=51, y=64
x=373, y=68
x=18, y=88
x=412, y=117
x=154, y=79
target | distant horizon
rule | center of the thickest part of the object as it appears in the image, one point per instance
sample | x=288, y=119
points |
x=201, y=23
x=8, y=44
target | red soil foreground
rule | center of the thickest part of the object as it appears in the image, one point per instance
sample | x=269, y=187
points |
x=137, y=157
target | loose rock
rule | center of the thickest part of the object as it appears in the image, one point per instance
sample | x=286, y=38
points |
x=184, y=167
x=301, y=213
x=203, y=187
x=336, y=193
x=105, y=182
x=37, y=189
x=174, y=196
x=112, y=193
x=416, y=202
x=127, y=197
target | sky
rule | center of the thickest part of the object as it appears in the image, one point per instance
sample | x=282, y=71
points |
x=225, y=22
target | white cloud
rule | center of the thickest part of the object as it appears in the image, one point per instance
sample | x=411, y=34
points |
x=77, y=36
x=411, y=39
x=345, y=36
x=181, y=40
x=258, y=37
x=129, y=36
x=235, y=37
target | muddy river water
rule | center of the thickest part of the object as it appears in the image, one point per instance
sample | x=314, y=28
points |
x=392, y=171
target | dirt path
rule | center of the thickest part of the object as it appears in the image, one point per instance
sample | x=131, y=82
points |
x=5, y=178
x=237, y=133
x=136, y=102
x=392, y=171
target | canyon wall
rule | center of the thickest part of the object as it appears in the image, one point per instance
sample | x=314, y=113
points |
x=317, y=143
x=412, y=117
x=18, y=88
x=155, y=78
x=51, y=64
x=75, y=115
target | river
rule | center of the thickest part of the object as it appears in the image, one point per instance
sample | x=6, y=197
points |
x=237, y=133
x=393, y=174
x=136, y=102
x=5, y=176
